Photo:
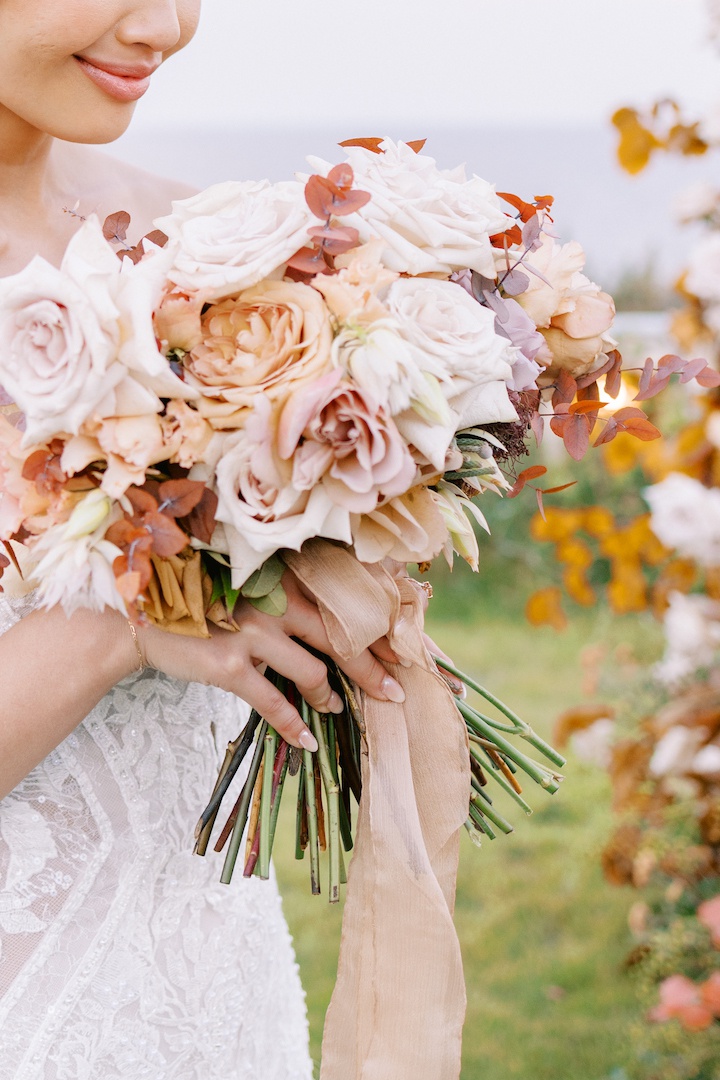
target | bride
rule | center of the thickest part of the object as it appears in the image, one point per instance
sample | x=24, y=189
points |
x=120, y=954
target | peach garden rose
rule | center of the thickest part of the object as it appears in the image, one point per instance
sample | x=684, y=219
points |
x=271, y=340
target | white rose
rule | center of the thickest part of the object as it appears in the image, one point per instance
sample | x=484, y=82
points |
x=59, y=338
x=233, y=235
x=703, y=272
x=261, y=511
x=69, y=336
x=453, y=338
x=432, y=220
x=685, y=515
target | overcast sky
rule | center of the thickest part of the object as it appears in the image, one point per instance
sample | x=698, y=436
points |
x=415, y=62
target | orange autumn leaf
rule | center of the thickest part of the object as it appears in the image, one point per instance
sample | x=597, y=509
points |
x=637, y=142
x=544, y=608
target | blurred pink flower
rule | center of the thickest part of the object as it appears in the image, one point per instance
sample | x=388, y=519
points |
x=680, y=998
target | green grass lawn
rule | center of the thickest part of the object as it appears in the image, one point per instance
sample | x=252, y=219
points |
x=543, y=936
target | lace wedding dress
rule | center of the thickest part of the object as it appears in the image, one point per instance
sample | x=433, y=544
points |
x=121, y=955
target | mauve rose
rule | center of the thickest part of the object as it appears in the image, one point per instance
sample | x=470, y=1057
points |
x=260, y=508
x=271, y=340
x=233, y=235
x=362, y=449
x=431, y=220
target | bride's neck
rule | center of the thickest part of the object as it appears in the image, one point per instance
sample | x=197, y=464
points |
x=27, y=162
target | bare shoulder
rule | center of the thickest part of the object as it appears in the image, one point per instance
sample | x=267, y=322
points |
x=110, y=184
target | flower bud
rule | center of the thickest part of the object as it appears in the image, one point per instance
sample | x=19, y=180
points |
x=88, y=515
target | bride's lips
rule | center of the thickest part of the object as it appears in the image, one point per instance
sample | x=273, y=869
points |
x=122, y=82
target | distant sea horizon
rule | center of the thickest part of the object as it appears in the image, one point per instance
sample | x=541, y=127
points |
x=624, y=223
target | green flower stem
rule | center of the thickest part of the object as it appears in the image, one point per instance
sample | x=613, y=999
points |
x=313, y=842
x=332, y=792
x=494, y=773
x=534, y=770
x=266, y=798
x=478, y=820
x=243, y=809
x=281, y=767
x=473, y=832
x=523, y=729
x=301, y=811
x=205, y=824
x=345, y=823
x=480, y=801
x=238, y=749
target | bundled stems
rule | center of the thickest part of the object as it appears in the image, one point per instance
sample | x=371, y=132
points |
x=328, y=778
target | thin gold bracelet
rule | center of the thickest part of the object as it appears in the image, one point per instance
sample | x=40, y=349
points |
x=141, y=658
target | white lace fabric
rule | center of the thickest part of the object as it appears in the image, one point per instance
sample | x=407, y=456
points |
x=121, y=954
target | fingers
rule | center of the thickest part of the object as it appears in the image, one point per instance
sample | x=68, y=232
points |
x=274, y=707
x=370, y=674
x=308, y=673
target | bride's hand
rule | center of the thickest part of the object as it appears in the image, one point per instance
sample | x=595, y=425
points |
x=234, y=661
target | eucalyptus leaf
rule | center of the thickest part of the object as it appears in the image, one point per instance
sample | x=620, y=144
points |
x=273, y=603
x=265, y=580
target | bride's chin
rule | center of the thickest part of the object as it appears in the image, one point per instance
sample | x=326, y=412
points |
x=103, y=126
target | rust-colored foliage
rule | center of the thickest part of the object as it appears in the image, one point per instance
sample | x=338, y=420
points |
x=329, y=197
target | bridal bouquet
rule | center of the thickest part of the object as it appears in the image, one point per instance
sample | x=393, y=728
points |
x=322, y=374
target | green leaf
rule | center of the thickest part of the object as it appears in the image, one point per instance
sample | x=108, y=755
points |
x=273, y=603
x=231, y=595
x=265, y=580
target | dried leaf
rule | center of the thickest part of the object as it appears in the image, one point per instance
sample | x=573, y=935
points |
x=141, y=500
x=335, y=240
x=416, y=145
x=115, y=227
x=537, y=425
x=565, y=389
x=587, y=406
x=693, y=369
x=576, y=435
x=515, y=282
x=342, y=177
x=200, y=523
x=504, y=240
x=708, y=378
x=157, y=237
x=374, y=145
x=179, y=497
x=168, y=538
x=525, y=210
x=309, y=261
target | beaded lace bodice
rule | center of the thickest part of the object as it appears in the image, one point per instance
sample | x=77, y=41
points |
x=121, y=955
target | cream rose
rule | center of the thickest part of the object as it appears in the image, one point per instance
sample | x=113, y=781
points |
x=271, y=340
x=78, y=341
x=570, y=311
x=453, y=339
x=260, y=509
x=233, y=235
x=59, y=337
x=431, y=220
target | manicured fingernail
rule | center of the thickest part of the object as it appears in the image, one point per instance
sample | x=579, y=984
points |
x=335, y=704
x=404, y=663
x=392, y=690
x=308, y=740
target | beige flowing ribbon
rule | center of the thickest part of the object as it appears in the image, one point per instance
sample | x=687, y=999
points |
x=399, y=1002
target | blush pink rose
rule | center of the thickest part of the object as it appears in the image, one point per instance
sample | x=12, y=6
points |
x=352, y=442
